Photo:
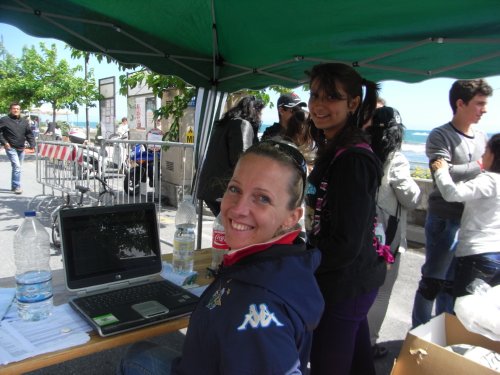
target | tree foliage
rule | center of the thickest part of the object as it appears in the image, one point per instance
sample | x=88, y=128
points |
x=13, y=85
x=174, y=109
x=420, y=172
x=160, y=83
x=100, y=57
x=37, y=78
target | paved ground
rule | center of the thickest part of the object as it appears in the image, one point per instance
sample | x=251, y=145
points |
x=12, y=207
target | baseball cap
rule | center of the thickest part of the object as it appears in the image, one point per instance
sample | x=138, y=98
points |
x=290, y=100
x=386, y=117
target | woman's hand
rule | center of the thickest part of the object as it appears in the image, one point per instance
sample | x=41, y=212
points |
x=439, y=163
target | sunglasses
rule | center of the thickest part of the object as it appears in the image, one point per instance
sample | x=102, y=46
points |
x=293, y=153
x=296, y=108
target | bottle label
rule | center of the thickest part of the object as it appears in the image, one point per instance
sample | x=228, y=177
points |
x=183, y=254
x=184, y=245
x=219, y=240
x=34, y=286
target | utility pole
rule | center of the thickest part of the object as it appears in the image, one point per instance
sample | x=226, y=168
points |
x=87, y=126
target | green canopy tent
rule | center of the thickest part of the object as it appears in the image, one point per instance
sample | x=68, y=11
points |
x=226, y=45
x=221, y=46
x=234, y=44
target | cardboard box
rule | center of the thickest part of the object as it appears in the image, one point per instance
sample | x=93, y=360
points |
x=424, y=353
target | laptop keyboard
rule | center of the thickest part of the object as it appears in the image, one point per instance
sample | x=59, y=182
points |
x=129, y=295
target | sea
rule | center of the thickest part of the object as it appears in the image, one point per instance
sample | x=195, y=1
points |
x=414, y=147
x=413, y=144
x=81, y=124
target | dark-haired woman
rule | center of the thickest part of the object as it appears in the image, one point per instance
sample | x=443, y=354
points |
x=477, y=249
x=236, y=131
x=398, y=192
x=298, y=131
x=341, y=195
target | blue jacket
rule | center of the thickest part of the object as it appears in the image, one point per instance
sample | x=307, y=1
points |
x=257, y=317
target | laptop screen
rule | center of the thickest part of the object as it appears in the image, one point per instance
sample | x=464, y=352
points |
x=109, y=244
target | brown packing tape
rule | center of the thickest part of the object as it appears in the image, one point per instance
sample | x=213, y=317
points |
x=419, y=354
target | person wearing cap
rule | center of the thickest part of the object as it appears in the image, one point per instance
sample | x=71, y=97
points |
x=397, y=193
x=287, y=104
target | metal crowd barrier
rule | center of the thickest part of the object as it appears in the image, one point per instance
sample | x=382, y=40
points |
x=131, y=168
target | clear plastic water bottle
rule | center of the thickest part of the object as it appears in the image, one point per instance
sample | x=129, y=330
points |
x=33, y=275
x=219, y=245
x=184, y=237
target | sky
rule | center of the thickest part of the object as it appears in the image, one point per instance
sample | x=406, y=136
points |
x=422, y=105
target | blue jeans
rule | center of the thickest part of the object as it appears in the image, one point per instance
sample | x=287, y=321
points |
x=16, y=158
x=438, y=269
x=341, y=342
x=480, y=266
x=146, y=358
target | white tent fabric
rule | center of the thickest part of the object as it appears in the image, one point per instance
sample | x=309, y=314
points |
x=209, y=107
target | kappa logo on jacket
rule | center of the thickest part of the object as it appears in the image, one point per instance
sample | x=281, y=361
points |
x=263, y=318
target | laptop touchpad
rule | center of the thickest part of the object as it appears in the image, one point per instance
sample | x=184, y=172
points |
x=149, y=309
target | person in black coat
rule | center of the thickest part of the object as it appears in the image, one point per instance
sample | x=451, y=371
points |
x=15, y=131
x=236, y=131
x=341, y=197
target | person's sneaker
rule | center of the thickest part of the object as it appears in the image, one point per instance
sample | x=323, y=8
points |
x=18, y=191
x=379, y=351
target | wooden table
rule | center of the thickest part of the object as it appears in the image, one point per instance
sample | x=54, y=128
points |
x=96, y=342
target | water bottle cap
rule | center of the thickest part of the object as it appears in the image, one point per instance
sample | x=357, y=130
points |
x=29, y=213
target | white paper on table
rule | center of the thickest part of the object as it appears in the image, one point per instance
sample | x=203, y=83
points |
x=22, y=339
x=13, y=346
